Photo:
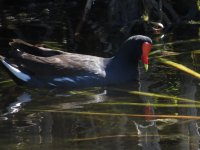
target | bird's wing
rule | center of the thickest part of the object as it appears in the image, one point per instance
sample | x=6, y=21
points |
x=65, y=64
x=23, y=46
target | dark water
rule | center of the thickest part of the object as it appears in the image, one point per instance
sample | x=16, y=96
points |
x=123, y=117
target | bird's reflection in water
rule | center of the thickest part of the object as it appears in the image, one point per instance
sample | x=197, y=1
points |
x=13, y=99
x=57, y=123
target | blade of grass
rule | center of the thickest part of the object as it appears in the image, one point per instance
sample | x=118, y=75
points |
x=112, y=136
x=101, y=137
x=85, y=113
x=164, y=53
x=180, y=67
x=127, y=136
x=196, y=51
x=163, y=96
x=152, y=105
x=6, y=81
x=178, y=42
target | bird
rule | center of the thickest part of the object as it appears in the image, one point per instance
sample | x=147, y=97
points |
x=40, y=67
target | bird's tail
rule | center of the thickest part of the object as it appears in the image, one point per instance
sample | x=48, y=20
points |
x=17, y=75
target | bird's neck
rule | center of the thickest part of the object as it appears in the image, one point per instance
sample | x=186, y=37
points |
x=120, y=71
x=117, y=64
x=124, y=60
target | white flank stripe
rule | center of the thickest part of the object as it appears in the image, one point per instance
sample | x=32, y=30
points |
x=16, y=72
x=62, y=79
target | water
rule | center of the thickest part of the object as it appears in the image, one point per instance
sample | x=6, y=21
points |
x=123, y=117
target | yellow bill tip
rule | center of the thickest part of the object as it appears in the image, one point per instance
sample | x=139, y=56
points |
x=146, y=67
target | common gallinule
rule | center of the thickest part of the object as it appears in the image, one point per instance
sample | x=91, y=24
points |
x=41, y=67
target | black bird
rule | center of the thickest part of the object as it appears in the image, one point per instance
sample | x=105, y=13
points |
x=45, y=68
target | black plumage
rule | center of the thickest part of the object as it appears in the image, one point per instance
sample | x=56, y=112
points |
x=42, y=67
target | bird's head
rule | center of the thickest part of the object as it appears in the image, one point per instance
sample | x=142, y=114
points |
x=137, y=48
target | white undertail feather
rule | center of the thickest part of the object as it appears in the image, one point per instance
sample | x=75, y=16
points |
x=16, y=72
